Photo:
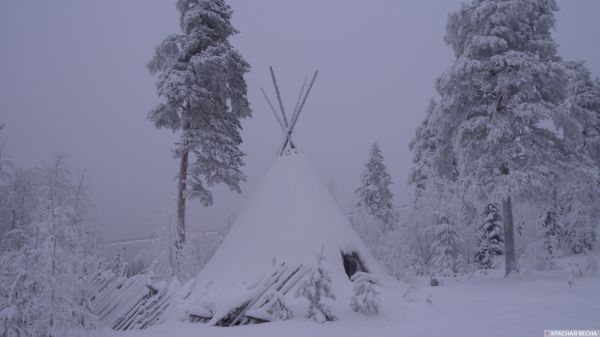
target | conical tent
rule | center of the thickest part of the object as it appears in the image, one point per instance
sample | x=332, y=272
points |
x=290, y=216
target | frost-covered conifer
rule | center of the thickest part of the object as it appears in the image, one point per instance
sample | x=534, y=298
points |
x=424, y=148
x=366, y=295
x=444, y=247
x=277, y=307
x=374, y=192
x=45, y=271
x=583, y=102
x=201, y=80
x=580, y=215
x=501, y=105
x=491, y=237
x=316, y=288
x=18, y=199
x=580, y=194
x=550, y=232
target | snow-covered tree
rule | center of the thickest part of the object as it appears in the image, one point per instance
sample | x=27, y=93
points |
x=424, y=148
x=201, y=79
x=315, y=288
x=277, y=307
x=583, y=103
x=579, y=215
x=444, y=249
x=550, y=232
x=366, y=295
x=580, y=194
x=491, y=237
x=499, y=118
x=164, y=261
x=18, y=199
x=44, y=281
x=374, y=192
x=438, y=222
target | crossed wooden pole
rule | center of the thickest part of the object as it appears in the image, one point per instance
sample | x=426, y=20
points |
x=287, y=127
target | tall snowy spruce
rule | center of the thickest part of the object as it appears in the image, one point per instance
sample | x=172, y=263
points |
x=491, y=237
x=424, y=148
x=501, y=106
x=374, y=193
x=201, y=79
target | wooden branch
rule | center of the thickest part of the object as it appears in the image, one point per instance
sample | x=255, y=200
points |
x=273, y=109
x=304, y=100
x=285, y=122
x=299, y=100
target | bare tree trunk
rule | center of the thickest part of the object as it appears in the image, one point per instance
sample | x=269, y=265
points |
x=183, y=170
x=510, y=264
x=509, y=237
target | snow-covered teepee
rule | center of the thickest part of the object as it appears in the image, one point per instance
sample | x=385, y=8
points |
x=271, y=247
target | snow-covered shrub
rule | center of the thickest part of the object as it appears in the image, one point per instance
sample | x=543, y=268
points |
x=314, y=289
x=549, y=233
x=366, y=295
x=491, y=237
x=580, y=237
x=277, y=307
x=444, y=247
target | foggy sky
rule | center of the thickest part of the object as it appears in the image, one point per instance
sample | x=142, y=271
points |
x=73, y=80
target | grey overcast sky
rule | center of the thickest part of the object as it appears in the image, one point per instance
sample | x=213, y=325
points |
x=73, y=80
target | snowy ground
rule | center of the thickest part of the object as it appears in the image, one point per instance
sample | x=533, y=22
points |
x=482, y=305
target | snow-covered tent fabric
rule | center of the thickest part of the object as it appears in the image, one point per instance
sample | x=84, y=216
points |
x=271, y=246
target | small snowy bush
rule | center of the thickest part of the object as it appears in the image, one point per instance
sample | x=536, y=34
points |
x=277, y=307
x=316, y=287
x=491, y=238
x=366, y=295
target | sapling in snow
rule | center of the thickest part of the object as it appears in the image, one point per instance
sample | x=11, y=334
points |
x=277, y=307
x=491, y=237
x=366, y=295
x=550, y=232
x=315, y=288
x=444, y=247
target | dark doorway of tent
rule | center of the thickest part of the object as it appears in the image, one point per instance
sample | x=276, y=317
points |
x=353, y=264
